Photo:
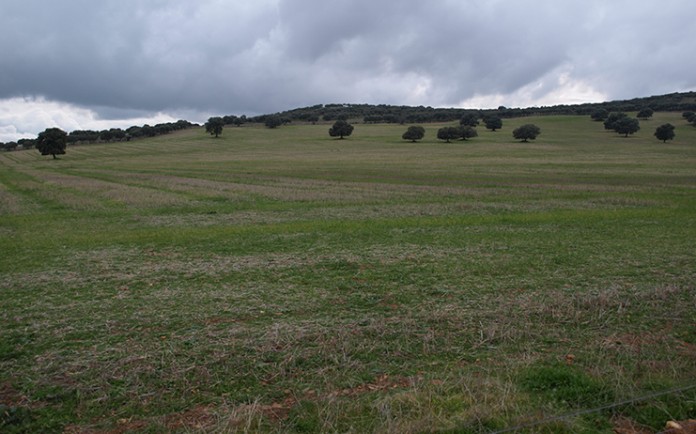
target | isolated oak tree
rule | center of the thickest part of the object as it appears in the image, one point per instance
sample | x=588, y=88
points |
x=214, y=126
x=665, y=132
x=341, y=129
x=526, y=132
x=626, y=125
x=414, y=133
x=52, y=142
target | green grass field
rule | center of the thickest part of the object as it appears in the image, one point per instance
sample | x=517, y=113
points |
x=283, y=281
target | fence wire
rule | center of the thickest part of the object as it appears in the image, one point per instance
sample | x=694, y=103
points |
x=593, y=410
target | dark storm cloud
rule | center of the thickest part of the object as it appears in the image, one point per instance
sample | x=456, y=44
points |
x=147, y=55
x=217, y=56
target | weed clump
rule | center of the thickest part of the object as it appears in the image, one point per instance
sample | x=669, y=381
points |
x=566, y=385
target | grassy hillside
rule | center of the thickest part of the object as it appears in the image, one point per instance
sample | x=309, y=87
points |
x=281, y=280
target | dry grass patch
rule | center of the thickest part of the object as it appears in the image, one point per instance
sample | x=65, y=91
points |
x=51, y=194
x=14, y=203
x=131, y=196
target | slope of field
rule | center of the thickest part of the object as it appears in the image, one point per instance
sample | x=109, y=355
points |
x=281, y=280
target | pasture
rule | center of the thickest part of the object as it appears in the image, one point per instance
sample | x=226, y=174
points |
x=284, y=281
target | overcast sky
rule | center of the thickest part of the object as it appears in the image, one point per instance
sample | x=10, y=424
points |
x=86, y=64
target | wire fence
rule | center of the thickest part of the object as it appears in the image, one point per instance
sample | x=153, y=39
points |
x=593, y=410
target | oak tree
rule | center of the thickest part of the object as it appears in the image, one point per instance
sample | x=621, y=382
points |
x=493, y=123
x=645, y=113
x=467, y=132
x=626, y=126
x=52, y=142
x=214, y=126
x=665, y=132
x=448, y=133
x=526, y=132
x=340, y=129
x=414, y=133
x=612, y=118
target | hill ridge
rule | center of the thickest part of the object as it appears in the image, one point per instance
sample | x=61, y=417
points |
x=677, y=101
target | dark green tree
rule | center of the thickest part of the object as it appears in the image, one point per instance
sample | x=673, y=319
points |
x=27, y=143
x=599, y=115
x=117, y=133
x=626, y=126
x=526, y=132
x=341, y=128
x=493, y=123
x=665, y=132
x=214, y=126
x=10, y=146
x=448, y=133
x=469, y=119
x=689, y=116
x=414, y=133
x=240, y=121
x=273, y=121
x=645, y=113
x=612, y=118
x=229, y=119
x=52, y=142
x=106, y=135
x=467, y=132
x=149, y=131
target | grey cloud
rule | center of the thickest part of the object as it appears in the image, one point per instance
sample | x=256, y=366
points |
x=264, y=56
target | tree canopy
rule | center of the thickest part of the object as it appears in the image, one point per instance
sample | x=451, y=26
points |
x=214, y=126
x=493, y=123
x=612, y=118
x=599, y=115
x=645, y=113
x=526, y=132
x=52, y=142
x=467, y=132
x=341, y=129
x=665, y=132
x=413, y=133
x=469, y=119
x=448, y=133
x=273, y=122
x=626, y=126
